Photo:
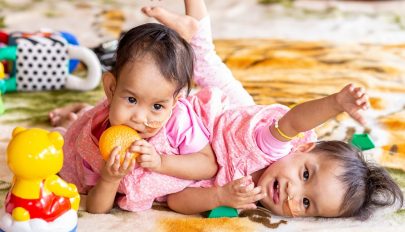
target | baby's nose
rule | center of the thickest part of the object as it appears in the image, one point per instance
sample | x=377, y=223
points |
x=295, y=206
x=138, y=117
x=294, y=199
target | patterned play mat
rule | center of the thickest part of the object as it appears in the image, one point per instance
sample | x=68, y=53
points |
x=286, y=71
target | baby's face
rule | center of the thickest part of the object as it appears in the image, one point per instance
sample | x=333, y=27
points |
x=142, y=98
x=303, y=184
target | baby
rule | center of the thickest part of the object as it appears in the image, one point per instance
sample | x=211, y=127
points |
x=144, y=91
x=324, y=178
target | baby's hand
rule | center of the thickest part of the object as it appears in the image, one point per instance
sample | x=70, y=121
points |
x=149, y=158
x=352, y=100
x=240, y=194
x=113, y=170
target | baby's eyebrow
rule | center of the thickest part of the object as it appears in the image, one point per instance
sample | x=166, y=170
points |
x=129, y=91
x=163, y=101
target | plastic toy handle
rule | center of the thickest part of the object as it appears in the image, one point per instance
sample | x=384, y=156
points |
x=8, y=53
x=93, y=69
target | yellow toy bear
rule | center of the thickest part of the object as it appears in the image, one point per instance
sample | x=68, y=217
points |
x=35, y=156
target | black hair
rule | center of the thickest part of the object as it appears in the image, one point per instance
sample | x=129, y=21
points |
x=172, y=54
x=368, y=186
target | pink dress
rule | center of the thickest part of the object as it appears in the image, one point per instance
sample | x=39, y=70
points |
x=184, y=133
x=222, y=111
x=232, y=118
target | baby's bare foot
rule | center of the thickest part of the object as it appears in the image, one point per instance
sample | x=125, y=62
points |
x=64, y=116
x=185, y=25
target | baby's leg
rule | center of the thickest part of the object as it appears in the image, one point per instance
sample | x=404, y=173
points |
x=209, y=70
x=196, y=9
x=64, y=116
x=185, y=25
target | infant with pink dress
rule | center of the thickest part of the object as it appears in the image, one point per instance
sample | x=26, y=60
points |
x=216, y=147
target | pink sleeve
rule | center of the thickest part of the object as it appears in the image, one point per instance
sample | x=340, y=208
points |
x=276, y=148
x=270, y=145
x=185, y=130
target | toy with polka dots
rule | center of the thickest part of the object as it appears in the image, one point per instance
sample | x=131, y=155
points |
x=44, y=61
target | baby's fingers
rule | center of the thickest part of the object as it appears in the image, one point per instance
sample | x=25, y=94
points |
x=248, y=206
x=252, y=195
x=127, y=161
x=363, y=102
x=245, y=189
x=113, y=156
x=117, y=163
x=358, y=92
x=241, y=182
x=359, y=118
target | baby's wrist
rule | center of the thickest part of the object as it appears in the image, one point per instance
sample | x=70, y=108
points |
x=220, y=196
x=335, y=103
x=115, y=180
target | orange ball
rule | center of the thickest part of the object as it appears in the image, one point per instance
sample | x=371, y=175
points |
x=115, y=136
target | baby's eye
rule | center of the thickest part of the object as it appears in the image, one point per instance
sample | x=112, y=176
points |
x=132, y=100
x=306, y=202
x=305, y=175
x=157, y=106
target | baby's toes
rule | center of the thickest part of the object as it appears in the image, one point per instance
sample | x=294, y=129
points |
x=55, y=119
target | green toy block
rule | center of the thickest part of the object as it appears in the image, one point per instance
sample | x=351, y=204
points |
x=223, y=211
x=362, y=141
x=8, y=85
x=8, y=53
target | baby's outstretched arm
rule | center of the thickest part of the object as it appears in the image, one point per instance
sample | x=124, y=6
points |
x=311, y=114
x=240, y=194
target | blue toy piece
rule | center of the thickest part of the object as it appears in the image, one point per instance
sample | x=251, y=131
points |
x=223, y=211
x=71, y=39
x=362, y=141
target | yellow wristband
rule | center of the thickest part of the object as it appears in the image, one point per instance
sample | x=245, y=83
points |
x=300, y=135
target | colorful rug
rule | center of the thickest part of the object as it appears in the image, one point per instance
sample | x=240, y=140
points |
x=272, y=71
x=286, y=71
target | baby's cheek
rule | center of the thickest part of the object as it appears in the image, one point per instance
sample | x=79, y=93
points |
x=117, y=117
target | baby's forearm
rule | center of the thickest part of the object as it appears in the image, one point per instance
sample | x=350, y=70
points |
x=100, y=198
x=306, y=116
x=194, y=200
x=195, y=166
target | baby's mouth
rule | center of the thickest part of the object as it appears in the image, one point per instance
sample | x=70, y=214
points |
x=276, y=192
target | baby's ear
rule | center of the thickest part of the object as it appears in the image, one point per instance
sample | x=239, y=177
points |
x=176, y=98
x=306, y=147
x=110, y=84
